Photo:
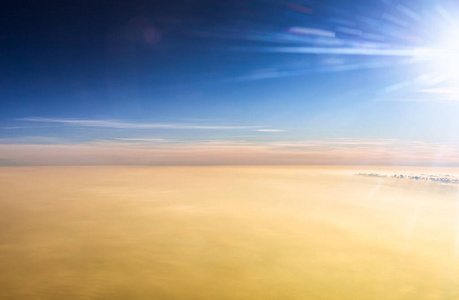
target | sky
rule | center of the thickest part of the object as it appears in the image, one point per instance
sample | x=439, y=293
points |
x=183, y=82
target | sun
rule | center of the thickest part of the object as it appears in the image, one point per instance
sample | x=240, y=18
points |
x=441, y=60
x=446, y=56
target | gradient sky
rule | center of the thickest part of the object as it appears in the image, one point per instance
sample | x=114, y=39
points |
x=229, y=82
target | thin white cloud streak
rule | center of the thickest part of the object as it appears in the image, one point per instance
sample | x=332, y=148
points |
x=333, y=152
x=124, y=125
x=16, y=127
x=440, y=91
x=270, y=130
x=142, y=140
x=312, y=31
x=31, y=140
x=438, y=99
x=415, y=53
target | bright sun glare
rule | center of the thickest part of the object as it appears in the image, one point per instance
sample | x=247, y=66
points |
x=443, y=63
x=446, y=55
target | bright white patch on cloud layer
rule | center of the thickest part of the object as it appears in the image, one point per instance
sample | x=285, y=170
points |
x=125, y=125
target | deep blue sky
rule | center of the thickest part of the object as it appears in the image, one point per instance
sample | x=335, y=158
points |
x=222, y=63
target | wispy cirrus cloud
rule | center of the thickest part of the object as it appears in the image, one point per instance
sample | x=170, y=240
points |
x=115, y=124
x=148, y=140
x=31, y=140
x=270, y=130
